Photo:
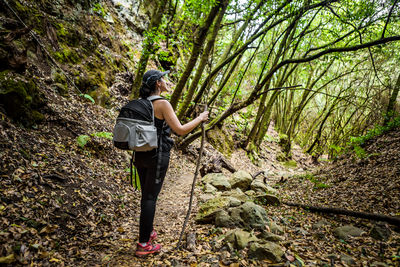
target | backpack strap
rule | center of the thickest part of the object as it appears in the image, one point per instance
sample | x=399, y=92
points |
x=151, y=99
x=159, y=156
x=154, y=97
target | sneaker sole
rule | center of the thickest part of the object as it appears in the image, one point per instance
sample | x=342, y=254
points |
x=146, y=253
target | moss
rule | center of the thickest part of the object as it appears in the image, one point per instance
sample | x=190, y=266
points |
x=101, y=94
x=68, y=34
x=208, y=209
x=20, y=98
x=67, y=55
x=31, y=16
x=221, y=141
x=290, y=164
x=61, y=31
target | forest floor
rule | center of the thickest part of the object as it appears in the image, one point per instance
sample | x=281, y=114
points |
x=63, y=204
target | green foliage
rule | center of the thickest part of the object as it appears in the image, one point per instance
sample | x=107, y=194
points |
x=106, y=135
x=82, y=140
x=135, y=177
x=194, y=10
x=357, y=142
x=88, y=97
x=99, y=10
x=337, y=149
x=318, y=183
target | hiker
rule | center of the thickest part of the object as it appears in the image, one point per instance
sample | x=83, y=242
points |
x=147, y=163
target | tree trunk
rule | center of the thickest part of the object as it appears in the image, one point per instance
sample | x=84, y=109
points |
x=203, y=61
x=392, y=101
x=148, y=47
x=201, y=35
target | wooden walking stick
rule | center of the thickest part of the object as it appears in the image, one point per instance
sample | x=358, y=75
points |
x=203, y=135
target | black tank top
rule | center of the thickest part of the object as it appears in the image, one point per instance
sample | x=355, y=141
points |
x=167, y=141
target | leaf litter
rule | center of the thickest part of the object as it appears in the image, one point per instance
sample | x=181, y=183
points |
x=62, y=204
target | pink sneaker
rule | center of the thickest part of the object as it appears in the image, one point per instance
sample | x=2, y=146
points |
x=143, y=251
x=153, y=235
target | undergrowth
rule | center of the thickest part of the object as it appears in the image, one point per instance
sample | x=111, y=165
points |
x=357, y=143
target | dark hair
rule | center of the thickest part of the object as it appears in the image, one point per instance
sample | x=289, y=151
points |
x=145, y=90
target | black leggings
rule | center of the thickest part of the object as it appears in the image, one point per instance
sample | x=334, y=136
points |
x=146, y=164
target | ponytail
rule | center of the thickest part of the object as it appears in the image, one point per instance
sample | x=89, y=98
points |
x=145, y=91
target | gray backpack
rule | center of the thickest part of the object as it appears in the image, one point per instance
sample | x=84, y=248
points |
x=135, y=129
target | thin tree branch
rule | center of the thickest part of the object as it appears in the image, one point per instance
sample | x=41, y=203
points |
x=388, y=18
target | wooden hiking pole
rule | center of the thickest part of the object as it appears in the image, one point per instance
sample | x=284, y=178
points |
x=203, y=135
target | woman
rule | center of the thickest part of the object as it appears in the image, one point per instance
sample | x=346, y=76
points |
x=146, y=162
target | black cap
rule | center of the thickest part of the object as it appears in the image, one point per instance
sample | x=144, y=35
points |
x=151, y=76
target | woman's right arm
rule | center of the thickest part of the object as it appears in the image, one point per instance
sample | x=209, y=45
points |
x=173, y=121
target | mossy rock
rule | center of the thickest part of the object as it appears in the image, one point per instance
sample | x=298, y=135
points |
x=101, y=95
x=208, y=210
x=67, y=55
x=69, y=35
x=20, y=98
x=222, y=141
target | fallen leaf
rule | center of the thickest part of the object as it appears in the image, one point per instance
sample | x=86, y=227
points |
x=7, y=259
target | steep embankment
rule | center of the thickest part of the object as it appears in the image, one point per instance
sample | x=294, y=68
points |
x=368, y=184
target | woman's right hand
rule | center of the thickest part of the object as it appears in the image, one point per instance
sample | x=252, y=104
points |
x=203, y=116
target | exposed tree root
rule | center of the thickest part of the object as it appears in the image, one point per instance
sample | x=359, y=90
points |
x=370, y=216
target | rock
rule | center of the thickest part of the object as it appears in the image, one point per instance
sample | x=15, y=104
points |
x=267, y=251
x=276, y=229
x=250, y=193
x=208, y=210
x=380, y=232
x=243, y=238
x=238, y=194
x=331, y=257
x=206, y=197
x=344, y=232
x=239, y=238
x=235, y=214
x=347, y=260
x=320, y=225
x=234, y=202
x=218, y=180
x=268, y=236
x=258, y=186
x=253, y=216
x=222, y=219
x=271, y=190
x=266, y=199
x=241, y=179
x=208, y=188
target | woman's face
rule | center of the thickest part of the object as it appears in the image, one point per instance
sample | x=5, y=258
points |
x=162, y=86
